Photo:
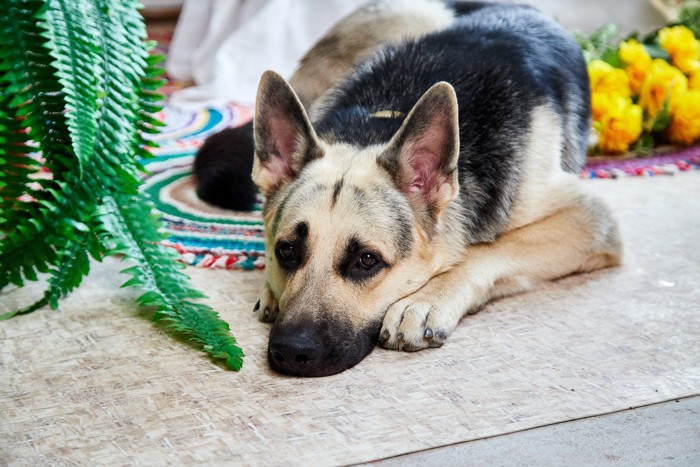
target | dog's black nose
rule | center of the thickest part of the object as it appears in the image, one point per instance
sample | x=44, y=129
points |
x=294, y=354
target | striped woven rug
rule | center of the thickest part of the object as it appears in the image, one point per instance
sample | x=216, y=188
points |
x=205, y=236
x=216, y=238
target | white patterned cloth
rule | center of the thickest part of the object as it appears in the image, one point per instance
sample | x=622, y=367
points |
x=225, y=45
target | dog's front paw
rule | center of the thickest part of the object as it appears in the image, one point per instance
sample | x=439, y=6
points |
x=267, y=305
x=414, y=325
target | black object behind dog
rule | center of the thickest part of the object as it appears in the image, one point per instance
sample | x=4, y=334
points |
x=223, y=166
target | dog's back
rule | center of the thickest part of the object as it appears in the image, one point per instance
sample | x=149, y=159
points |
x=504, y=62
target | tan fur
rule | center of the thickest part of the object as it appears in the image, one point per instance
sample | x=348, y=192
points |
x=358, y=36
x=578, y=237
x=556, y=229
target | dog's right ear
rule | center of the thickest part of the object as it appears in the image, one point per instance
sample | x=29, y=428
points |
x=284, y=138
x=422, y=156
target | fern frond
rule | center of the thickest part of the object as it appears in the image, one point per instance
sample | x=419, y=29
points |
x=128, y=104
x=27, y=76
x=134, y=230
x=46, y=220
x=73, y=264
x=16, y=167
x=79, y=86
x=73, y=45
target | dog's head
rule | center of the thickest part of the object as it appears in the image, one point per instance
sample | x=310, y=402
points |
x=349, y=230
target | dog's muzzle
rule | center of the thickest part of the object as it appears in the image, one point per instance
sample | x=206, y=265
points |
x=294, y=354
x=319, y=348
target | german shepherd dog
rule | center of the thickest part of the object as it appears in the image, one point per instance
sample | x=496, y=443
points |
x=420, y=164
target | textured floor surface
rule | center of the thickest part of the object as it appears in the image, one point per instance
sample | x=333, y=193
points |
x=94, y=383
x=666, y=434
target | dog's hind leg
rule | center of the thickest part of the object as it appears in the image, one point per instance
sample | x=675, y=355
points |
x=579, y=236
x=359, y=35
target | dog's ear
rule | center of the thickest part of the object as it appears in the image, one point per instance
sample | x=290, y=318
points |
x=284, y=137
x=422, y=155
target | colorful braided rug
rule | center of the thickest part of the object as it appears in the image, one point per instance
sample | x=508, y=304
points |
x=205, y=236
x=211, y=237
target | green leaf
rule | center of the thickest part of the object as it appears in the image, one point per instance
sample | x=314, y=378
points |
x=655, y=51
x=167, y=288
x=600, y=43
x=72, y=36
x=662, y=119
x=23, y=311
x=612, y=57
x=689, y=16
x=645, y=144
x=79, y=86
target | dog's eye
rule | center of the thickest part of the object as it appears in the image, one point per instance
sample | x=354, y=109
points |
x=367, y=261
x=366, y=265
x=285, y=252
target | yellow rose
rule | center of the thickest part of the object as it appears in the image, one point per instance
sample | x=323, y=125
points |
x=682, y=46
x=602, y=103
x=663, y=82
x=637, y=61
x=608, y=79
x=620, y=126
x=694, y=81
x=685, y=119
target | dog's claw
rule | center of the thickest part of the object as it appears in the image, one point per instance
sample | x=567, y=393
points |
x=413, y=324
x=385, y=335
x=268, y=304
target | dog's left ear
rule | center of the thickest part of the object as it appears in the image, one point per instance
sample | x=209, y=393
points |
x=284, y=138
x=422, y=155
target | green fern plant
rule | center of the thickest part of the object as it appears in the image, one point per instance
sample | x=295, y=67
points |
x=78, y=89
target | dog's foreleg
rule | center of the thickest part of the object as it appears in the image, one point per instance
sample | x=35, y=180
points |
x=579, y=237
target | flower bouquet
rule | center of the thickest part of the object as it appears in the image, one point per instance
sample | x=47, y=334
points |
x=645, y=93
